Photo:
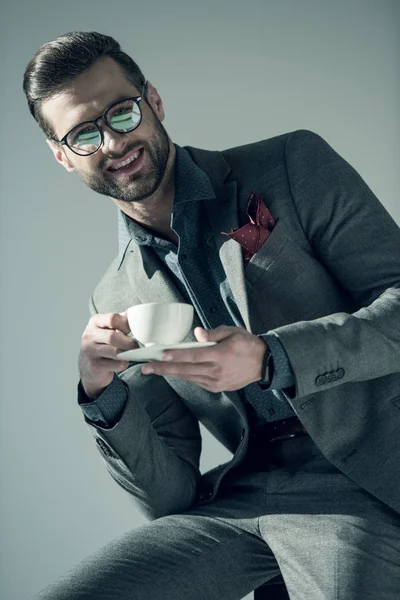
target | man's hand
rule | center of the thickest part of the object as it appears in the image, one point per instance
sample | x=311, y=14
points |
x=236, y=361
x=105, y=336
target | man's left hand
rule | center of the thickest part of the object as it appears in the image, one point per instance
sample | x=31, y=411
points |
x=234, y=362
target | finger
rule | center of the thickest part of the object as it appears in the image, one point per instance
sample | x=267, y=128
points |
x=94, y=350
x=214, y=335
x=114, y=338
x=187, y=371
x=201, y=334
x=195, y=355
x=117, y=321
x=99, y=351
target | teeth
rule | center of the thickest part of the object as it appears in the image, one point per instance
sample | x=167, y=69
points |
x=126, y=162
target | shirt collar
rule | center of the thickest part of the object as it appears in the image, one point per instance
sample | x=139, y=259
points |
x=191, y=185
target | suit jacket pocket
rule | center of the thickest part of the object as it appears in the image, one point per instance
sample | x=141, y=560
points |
x=268, y=253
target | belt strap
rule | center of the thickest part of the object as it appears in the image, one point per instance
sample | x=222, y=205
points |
x=277, y=430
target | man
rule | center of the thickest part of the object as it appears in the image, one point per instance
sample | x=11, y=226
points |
x=303, y=386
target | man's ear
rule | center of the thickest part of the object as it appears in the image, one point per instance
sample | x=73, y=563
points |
x=60, y=155
x=155, y=101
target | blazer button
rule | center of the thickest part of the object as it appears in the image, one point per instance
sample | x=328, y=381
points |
x=340, y=373
x=328, y=377
x=242, y=435
x=320, y=380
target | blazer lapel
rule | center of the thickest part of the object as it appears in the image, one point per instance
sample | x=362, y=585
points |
x=223, y=217
x=149, y=277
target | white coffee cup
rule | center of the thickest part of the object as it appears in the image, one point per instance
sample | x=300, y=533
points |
x=158, y=323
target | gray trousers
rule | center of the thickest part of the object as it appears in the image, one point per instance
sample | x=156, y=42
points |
x=294, y=513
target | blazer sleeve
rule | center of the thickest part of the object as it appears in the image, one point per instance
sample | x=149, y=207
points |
x=356, y=239
x=153, y=451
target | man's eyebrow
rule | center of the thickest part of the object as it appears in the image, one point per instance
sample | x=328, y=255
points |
x=105, y=108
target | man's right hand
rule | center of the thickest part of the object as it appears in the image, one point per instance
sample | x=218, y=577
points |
x=105, y=336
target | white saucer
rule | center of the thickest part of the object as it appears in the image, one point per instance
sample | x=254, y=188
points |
x=156, y=352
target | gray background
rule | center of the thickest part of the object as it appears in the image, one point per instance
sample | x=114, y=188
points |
x=229, y=73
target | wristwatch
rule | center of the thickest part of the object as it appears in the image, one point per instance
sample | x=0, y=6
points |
x=267, y=370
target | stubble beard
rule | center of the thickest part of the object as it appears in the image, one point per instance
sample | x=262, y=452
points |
x=137, y=187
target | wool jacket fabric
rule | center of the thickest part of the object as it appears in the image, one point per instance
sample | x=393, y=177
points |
x=326, y=283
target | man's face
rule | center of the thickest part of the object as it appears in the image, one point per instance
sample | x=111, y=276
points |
x=88, y=96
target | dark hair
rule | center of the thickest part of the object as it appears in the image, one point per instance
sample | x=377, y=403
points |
x=58, y=62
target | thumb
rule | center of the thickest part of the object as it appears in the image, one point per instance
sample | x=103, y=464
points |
x=201, y=334
x=214, y=335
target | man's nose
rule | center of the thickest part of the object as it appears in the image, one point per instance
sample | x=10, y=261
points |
x=113, y=142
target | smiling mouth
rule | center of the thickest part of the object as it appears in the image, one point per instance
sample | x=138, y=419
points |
x=130, y=158
x=130, y=164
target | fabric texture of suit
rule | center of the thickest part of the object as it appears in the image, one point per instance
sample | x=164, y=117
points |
x=326, y=282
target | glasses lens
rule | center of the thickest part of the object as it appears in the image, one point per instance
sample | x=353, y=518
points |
x=124, y=116
x=84, y=139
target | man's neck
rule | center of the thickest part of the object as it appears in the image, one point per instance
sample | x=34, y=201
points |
x=155, y=212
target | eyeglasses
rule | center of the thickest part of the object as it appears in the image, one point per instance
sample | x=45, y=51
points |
x=122, y=117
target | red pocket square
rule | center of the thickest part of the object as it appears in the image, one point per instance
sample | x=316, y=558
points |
x=252, y=235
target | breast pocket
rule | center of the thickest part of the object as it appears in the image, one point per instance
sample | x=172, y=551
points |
x=269, y=252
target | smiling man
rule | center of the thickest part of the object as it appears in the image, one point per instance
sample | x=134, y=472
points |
x=271, y=244
x=129, y=169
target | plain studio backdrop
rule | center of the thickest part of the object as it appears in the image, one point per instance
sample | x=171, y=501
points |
x=230, y=73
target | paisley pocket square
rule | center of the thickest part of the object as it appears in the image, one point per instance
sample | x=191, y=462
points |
x=253, y=234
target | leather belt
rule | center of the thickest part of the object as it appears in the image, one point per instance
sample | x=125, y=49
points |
x=276, y=431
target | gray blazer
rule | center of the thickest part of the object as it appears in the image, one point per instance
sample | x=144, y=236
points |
x=326, y=282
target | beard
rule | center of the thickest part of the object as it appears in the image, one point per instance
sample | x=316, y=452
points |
x=139, y=186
